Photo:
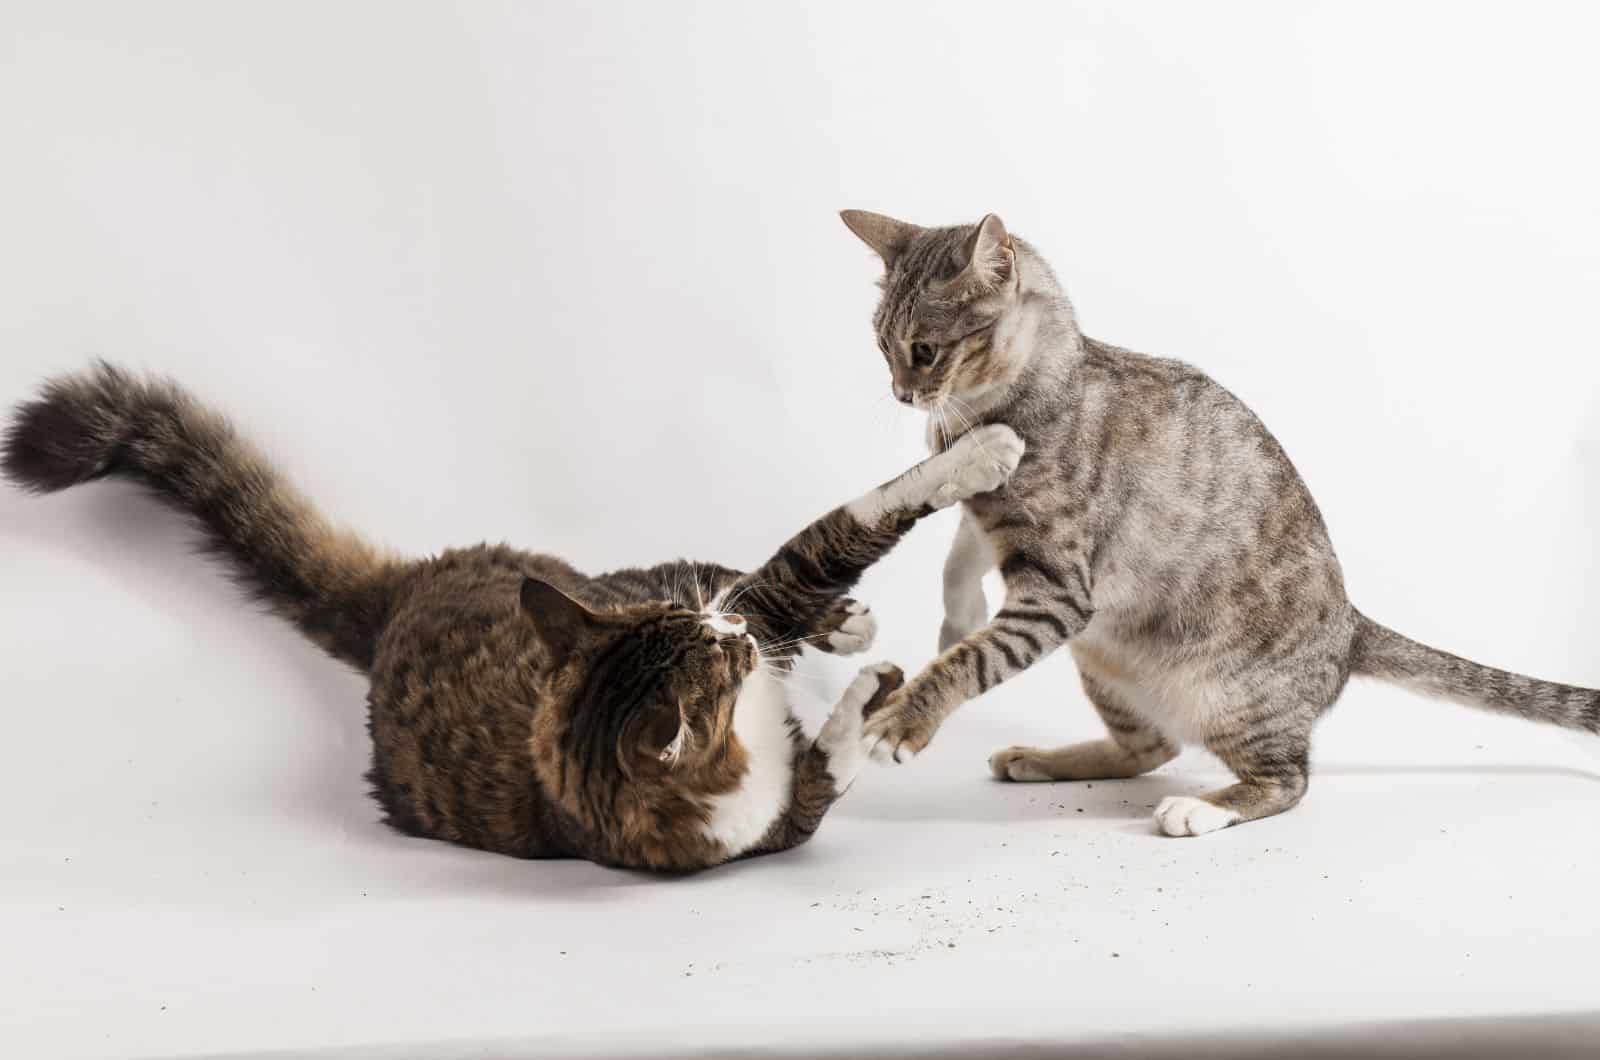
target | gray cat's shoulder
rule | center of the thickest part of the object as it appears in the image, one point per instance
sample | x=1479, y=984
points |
x=1183, y=388
x=1121, y=365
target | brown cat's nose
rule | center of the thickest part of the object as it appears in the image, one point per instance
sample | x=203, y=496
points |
x=736, y=621
x=904, y=395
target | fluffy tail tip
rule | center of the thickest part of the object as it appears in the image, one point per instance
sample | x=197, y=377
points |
x=62, y=437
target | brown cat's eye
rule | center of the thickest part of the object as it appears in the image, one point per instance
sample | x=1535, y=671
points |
x=923, y=354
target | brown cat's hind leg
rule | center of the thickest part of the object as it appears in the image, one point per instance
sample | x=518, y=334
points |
x=1132, y=747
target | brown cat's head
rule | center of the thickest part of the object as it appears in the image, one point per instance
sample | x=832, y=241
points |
x=955, y=320
x=650, y=688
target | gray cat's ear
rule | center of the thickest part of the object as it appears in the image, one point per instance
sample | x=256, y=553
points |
x=560, y=620
x=990, y=255
x=887, y=237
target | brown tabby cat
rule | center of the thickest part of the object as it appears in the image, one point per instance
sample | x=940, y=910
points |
x=1155, y=528
x=517, y=705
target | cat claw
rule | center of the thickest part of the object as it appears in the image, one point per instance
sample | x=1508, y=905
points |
x=886, y=752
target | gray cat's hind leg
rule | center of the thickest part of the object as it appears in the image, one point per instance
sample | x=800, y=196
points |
x=1132, y=747
x=965, y=608
x=1269, y=750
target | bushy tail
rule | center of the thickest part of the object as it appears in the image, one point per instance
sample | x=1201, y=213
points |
x=105, y=422
x=1381, y=652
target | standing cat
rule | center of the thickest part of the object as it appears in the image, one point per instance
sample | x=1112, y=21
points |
x=515, y=704
x=1154, y=526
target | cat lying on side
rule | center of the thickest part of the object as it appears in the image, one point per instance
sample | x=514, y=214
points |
x=636, y=718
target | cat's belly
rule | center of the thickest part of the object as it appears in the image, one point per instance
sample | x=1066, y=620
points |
x=739, y=819
x=1181, y=698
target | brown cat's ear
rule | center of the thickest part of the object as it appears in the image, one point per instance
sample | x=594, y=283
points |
x=887, y=237
x=990, y=255
x=560, y=620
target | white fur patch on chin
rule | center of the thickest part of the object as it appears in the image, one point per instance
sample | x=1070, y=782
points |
x=1180, y=815
x=740, y=818
x=721, y=623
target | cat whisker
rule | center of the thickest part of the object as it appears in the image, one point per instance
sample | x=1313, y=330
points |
x=778, y=645
x=968, y=426
x=694, y=579
x=952, y=403
x=970, y=417
x=727, y=605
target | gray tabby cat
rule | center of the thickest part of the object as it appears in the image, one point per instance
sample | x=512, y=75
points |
x=1154, y=526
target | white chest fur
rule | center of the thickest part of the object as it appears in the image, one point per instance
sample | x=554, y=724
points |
x=741, y=817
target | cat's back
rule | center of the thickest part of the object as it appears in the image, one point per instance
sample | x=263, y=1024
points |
x=461, y=603
x=1155, y=386
x=1120, y=431
x=453, y=701
x=1203, y=521
x=1184, y=440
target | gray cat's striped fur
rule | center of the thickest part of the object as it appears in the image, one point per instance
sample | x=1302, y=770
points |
x=1154, y=526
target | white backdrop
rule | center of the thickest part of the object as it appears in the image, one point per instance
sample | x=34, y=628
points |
x=570, y=275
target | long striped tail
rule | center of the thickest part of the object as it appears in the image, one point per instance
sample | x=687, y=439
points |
x=1381, y=652
x=332, y=585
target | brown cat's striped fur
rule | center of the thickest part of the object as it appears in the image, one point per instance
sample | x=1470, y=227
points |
x=1155, y=527
x=515, y=704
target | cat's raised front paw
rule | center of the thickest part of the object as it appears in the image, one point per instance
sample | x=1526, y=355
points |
x=871, y=688
x=851, y=628
x=981, y=460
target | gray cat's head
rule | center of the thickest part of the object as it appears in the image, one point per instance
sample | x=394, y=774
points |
x=955, y=319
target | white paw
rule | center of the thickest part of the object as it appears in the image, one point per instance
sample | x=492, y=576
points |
x=887, y=752
x=841, y=734
x=981, y=460
x=1187, y=815
x=1017, y=763
x=856, y=633
x=844, y=725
